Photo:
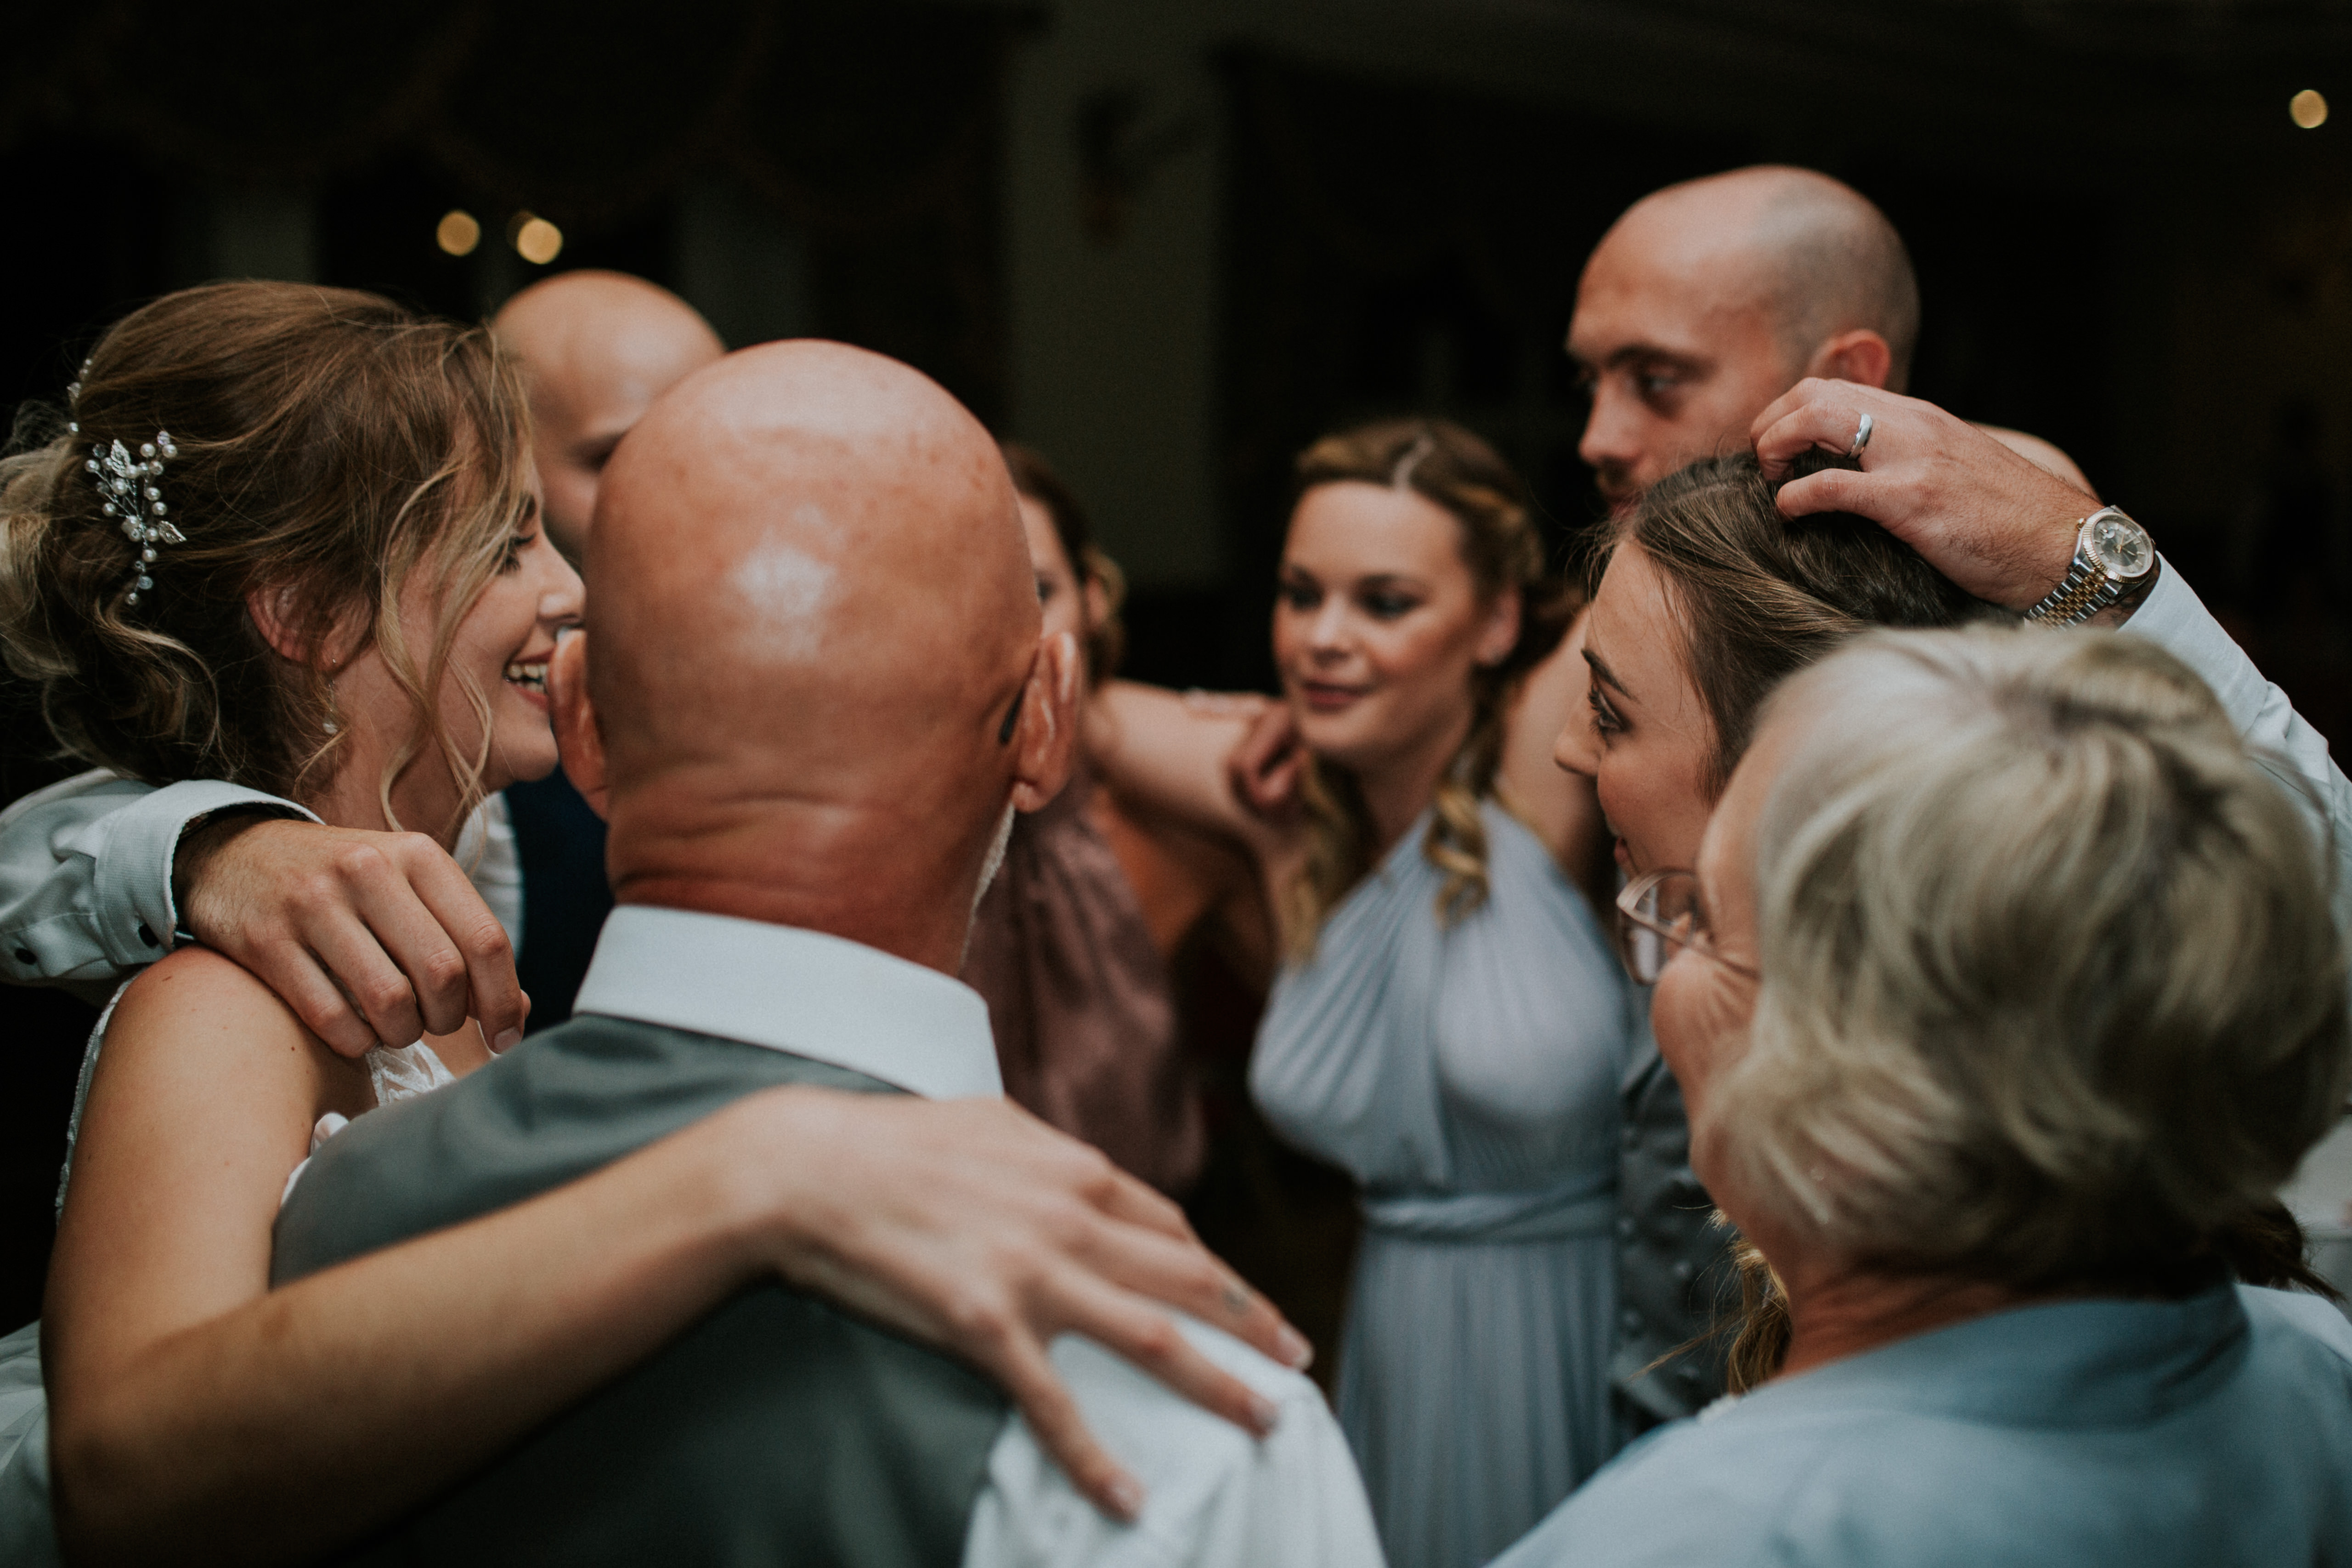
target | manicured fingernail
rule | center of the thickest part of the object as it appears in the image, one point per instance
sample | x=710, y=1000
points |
x=1264, y=1415
x=1127, y=1497
x=507, y=1040
x=1297, y=1353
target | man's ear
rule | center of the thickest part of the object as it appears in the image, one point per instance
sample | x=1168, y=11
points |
x=1046, y=740
x=1501, y=633
x=1860, y=356
x=577, y=740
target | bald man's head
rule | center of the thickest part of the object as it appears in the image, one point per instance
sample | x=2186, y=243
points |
x=815, y=652
x=598, y=348
x=1708, y=299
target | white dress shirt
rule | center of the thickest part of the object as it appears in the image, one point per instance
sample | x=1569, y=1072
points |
x=1216, y=1497
x=2289, y=749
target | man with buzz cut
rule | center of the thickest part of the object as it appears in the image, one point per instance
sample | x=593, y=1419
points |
x=808, y=785
x=1709, y=299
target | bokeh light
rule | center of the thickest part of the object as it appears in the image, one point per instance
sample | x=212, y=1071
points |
x=538, y=241
x=2307, y=109
x=459, y=232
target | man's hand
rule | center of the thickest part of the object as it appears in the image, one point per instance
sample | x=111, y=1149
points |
x=1265, y=766
x=369, y=937
x=971, y=1225
x=1995, y=523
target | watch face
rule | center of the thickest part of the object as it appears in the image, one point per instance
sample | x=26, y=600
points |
x=2120, y=546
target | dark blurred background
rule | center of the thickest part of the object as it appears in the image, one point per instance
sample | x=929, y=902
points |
x=1169, y=241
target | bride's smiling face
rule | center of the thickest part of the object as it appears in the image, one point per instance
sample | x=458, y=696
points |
x=499, y=650
x=503, y=644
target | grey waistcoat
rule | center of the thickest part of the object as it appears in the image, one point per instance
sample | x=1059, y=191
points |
x=1675, y=1280
x=776, y=1430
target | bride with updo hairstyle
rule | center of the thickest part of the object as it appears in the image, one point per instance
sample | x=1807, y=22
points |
x=1451, y=1025
x=330, y=449
x=288, y=538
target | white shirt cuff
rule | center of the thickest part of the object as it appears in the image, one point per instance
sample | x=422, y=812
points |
x=133, y=850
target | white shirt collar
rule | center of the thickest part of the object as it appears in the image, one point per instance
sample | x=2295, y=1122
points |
x=796, y=990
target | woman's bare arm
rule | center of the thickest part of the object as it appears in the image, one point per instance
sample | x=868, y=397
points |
x=1167, y=753
x=194, y=1412
x=1559, y=805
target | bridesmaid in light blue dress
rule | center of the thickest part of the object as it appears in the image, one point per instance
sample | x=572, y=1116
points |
x=1451, y=1027
x=1467, y=1078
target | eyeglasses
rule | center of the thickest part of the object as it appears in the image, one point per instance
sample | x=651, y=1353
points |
x=1659, y=912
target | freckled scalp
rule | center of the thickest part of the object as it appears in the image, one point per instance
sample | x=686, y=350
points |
x=810, y=545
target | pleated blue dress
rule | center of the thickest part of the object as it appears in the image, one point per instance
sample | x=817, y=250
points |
x=1468, y=1079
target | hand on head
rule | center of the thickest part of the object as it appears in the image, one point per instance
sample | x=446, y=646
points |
x=1997, y=523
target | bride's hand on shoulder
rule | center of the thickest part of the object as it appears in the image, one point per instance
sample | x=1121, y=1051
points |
x=971, y=1225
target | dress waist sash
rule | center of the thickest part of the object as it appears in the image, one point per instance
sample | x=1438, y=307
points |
x=1584, y=1203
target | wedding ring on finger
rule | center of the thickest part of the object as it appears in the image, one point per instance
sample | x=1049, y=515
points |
x=1861, y=438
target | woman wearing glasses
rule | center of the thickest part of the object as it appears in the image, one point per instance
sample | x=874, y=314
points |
x=1708, y=599
x=2006, y=988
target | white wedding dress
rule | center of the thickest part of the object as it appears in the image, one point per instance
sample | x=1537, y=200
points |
x=27, y=1537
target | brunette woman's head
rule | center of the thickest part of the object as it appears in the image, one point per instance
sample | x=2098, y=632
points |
x=1412, y=599
x=347, y=478
x=1706, y=598
x=1084, y=586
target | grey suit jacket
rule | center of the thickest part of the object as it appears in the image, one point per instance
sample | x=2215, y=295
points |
x=777, y=1430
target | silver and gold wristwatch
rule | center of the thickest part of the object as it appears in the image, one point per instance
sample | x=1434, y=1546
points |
x=2113, y=555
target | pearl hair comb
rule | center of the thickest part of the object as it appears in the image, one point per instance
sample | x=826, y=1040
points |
x=134, y=497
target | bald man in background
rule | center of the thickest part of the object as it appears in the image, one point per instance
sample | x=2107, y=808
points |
x=808, y=789
x=1708, y=299
x=1701, y=306
x=597, y=348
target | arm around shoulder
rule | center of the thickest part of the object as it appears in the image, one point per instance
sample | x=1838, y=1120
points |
x=1168, y=753
x=1215, y=1497
x=86, y=868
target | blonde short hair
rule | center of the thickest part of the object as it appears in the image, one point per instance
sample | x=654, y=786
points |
x=2050, y=990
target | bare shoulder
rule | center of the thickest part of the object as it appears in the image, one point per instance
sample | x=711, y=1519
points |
x=197, y=988
x=197, y=1011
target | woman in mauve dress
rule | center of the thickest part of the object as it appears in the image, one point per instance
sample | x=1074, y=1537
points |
x=1072, y=943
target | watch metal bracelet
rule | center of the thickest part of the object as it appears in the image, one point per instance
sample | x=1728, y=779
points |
x=2078, y=597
